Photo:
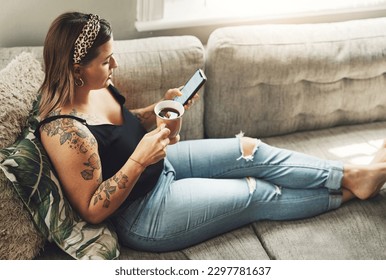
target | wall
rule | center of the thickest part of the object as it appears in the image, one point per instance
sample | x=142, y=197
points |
x=25, y=22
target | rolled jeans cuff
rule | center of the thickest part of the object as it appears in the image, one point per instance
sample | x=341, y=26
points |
x=335, y=200
x=334, y=180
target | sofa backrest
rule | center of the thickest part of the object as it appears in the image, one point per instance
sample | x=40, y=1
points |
x=274, y=79
x=147, y=68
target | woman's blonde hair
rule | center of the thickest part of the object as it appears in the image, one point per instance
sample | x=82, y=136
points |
x=59, y=83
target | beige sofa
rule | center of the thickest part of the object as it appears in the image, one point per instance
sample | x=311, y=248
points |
x=318, y=89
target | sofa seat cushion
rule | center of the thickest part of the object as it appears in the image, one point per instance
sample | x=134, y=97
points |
x=239, y=244
x=357, y=230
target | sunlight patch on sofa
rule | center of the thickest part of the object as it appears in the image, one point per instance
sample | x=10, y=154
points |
x=359, y=153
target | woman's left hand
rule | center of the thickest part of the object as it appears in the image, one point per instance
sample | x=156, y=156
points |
x=191, y=101
x=174, y=140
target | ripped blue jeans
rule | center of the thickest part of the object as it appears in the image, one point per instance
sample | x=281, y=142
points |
x=208, y=188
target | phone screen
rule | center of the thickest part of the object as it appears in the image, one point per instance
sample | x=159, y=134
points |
x=191, y=87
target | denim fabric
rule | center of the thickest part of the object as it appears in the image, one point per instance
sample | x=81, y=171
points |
x=207, y=188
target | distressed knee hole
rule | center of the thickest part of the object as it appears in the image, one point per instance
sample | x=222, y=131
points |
x=248, y=147
x=251, y=184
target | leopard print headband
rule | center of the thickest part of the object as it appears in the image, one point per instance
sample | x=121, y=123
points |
x=86, y=38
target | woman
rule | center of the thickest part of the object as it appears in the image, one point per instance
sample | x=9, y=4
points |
x=160, y=196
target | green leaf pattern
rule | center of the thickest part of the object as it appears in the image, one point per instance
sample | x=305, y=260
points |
x=28, y=167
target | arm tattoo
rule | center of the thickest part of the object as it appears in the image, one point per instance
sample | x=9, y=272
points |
x=108, y=188
x=121, y=180
x=92, y=164
x=69, y=132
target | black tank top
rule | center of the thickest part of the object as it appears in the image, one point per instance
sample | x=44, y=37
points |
x=116, y=143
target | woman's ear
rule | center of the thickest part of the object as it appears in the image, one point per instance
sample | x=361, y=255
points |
x=77, y=70
x=78, y=75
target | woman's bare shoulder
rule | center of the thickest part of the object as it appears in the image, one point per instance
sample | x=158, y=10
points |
x=67, y=131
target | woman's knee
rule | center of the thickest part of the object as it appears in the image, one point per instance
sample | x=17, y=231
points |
x=248, y=146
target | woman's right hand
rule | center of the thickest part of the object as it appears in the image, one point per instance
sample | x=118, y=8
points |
x=152, y=147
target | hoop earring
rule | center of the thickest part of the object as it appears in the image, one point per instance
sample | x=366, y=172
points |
x=79, y=82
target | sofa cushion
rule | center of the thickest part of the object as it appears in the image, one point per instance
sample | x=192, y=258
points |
x=20, y=239
x=19, y=83
x=276, y=79
x=357, y=229
x=239, y=244
x=8, y=54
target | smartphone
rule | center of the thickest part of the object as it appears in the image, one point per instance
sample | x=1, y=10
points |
x=191, y=87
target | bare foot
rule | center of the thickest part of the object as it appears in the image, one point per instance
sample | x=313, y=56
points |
x=380, y=155
x=347, y=195
x=366, y=181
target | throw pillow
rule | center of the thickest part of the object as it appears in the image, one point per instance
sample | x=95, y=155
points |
x=27, y=166
x=20, y=240
x=19, y=84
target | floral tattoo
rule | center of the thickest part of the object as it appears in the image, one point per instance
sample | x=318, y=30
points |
x=92, y=164
x=108, y=189
x=70, y=132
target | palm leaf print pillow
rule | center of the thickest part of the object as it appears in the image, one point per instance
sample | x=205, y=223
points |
x=27, y=166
